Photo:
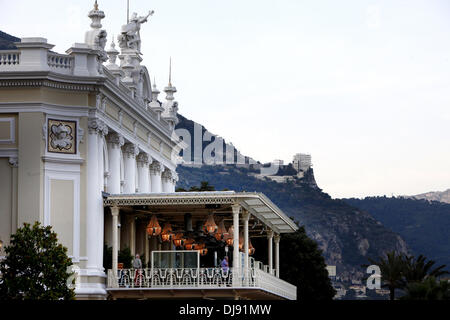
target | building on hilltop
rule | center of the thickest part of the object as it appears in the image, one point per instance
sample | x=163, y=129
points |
x=88, y=147
x=302, y=162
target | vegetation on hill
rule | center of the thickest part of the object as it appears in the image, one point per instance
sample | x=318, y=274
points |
x=425, y=225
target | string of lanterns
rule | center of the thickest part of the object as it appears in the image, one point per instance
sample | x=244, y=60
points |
x=210, y=227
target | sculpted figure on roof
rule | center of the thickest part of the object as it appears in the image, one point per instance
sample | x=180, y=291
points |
x=130, y=37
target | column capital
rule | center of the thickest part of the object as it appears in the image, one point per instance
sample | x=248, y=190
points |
x=115, y=211
x=276, y=238
x=168, y=175
x=142, y=158
x=156, y=167
x=115, y=139
x=14, y=162
x=245, y=215
x=269, y=234
x=236, y=208
x=131, y=150
x=97, y=126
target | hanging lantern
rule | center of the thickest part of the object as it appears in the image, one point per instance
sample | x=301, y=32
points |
x=203, y=252
x=221, y=231
x=200, y=246
x=153, y=227
x=210, y=225
x=189, y=244
x=229, y=237
x=251, y=249
x=179, y=240
x=167, y=233
x=241, y=241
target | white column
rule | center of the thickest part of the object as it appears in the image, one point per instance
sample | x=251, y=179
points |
x=130, y=152
x=132, y=223
x=236, y=208
x=94, y=206
x=276, y=239
x=103, y=131
x=245, y=218
x=166, y=178
x=115, y=239
x=155, y=177
x=174, y=182
x=115, y=142
x=270, y=254
x=143, y=173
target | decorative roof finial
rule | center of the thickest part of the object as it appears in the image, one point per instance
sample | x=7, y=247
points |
x=96, y=6
x=170, y=72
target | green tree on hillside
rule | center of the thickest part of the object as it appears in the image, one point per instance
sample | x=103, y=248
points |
x=36, y=266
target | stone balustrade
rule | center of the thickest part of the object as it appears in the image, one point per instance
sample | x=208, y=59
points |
x=60, y=62
x=9, y=57
x=200, y=278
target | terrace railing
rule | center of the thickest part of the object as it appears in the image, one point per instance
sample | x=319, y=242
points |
x=199, y=278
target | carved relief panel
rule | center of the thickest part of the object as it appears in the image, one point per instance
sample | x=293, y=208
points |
x=61, y=136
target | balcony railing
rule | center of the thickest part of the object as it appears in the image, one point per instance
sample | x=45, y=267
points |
x=201, y=278
x=9, y=58
x=60, y=63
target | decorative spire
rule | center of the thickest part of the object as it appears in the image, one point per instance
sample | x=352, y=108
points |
x=170, y=72
x=112, y=55
x=170, y=89
x=96, y=15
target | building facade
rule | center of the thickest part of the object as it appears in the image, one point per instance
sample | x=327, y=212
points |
x=82, y=130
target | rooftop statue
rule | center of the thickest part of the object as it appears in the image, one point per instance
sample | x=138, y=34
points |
x=130, y=37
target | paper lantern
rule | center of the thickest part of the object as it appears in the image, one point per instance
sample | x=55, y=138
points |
x=189, y=244
x=229, y=238
x=153, y=227
x=210, y=225
x=179, y=240
x=167, y=233
x=241, y=241
x=251, y=249
x=203, y=252
x=221, y=231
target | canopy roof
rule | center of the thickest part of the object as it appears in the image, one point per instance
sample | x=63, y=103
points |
x=256, y=203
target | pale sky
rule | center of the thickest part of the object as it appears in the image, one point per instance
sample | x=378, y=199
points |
x=363, y=86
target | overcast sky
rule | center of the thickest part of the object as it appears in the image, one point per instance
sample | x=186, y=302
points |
x=363, y=86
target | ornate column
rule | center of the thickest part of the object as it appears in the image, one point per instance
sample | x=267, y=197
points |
x=155, y=177
x=115, y=240
x=130, y=151
x=245, y=218
x=143, y=173
x=236, y=265
x=270, y=254
x=276, y=239
x=94, y=203
x=103, y=131
x=115, y=142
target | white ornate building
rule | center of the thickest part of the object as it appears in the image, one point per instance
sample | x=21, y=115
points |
x=87, y=147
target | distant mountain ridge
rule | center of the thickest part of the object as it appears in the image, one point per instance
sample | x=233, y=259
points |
x=441, y=196
x=424, y=224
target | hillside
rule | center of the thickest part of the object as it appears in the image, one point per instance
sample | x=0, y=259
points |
x=425, y=225
x=441, y=196
x=346, y=235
